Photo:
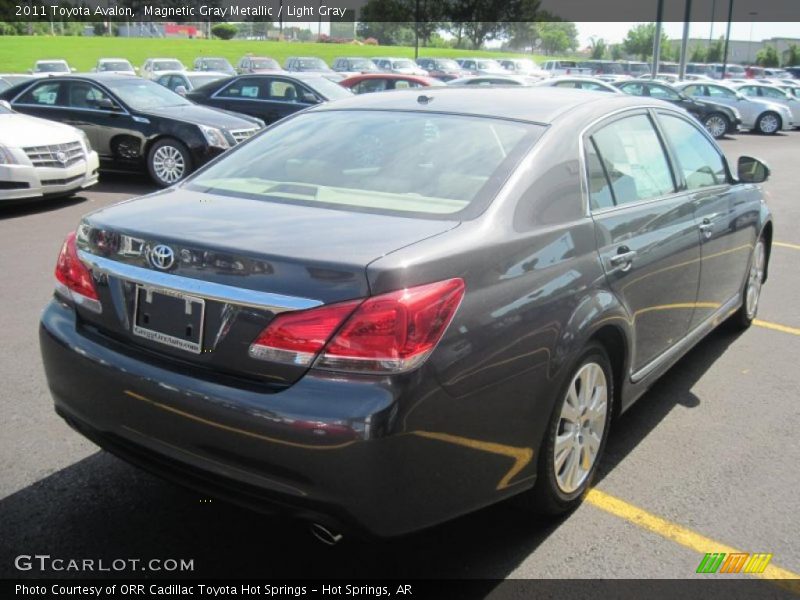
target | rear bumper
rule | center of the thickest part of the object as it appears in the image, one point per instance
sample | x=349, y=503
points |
x=342, y=451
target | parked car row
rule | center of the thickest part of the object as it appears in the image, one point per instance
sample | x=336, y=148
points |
x=170, y=121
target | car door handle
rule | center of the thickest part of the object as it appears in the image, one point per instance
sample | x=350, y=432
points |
x=707, y=227
x=623, y=259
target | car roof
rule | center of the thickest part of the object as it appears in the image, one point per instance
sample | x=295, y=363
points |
x=542, y=105
x=393, y=76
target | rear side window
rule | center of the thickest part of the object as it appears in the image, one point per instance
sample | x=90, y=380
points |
x=247, y=88
x=633, y=160
x=45, y=94
x=701, y=164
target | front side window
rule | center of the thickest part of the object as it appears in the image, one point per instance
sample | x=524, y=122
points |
x=717, y=91
x=85, y=95
x=663, y=93
x=773, y=93
x=370, y=85
x=390, y=162
x=698, y=159
x=633, y=159
x=634, y=89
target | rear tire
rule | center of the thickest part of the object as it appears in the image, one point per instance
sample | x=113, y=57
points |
x=717, y=125
x=576, y=435
x=769, y=123
x=751, y=294
x=168, y=162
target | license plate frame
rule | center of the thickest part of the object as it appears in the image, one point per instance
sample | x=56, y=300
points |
x=193, y=345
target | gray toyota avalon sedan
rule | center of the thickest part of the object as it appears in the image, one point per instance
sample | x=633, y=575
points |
x=391, y=310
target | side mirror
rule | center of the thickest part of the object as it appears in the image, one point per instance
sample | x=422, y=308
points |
x=107, y=104
x=309, y=98
x=6, y=104
x=181, y=90
x=752, y=170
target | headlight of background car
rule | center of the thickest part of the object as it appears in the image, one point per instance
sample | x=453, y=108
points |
x=214, y=136
x=6, y=157
x=86, y=143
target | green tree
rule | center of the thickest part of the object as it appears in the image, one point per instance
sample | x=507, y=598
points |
x=639, y=41
x=598, y=47
x=389, y=21
x=791, y=55
x=768, y=57
x=557, y=36
x=715, y=51
x=224, y=31
x=698, y=54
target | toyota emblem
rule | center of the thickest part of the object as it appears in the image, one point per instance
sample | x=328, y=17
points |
x=162, y=257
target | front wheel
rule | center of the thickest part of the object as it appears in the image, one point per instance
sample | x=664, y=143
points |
x=576, y=436
x=769, y=123
x=717, y=125
x=744, y=317
x=168, y=162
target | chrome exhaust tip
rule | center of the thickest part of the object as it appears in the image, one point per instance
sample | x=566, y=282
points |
x=325, y=535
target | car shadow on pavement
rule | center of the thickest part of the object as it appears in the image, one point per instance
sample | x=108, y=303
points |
x=22, y=208
x=102, y=507
x=674, y=388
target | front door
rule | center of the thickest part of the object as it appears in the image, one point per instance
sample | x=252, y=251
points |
x=647, y=235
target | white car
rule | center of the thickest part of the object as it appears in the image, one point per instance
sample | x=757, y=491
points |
x=51, y=67
x=580, y=83
x=772, y=93
x=114, y=65
x=155, y=67
x=42, y=158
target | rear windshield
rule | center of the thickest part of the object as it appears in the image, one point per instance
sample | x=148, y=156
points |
x=410, y=163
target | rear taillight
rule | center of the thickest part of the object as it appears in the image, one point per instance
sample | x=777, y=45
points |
x=73, y=279
x=297, y=337
x=389, y=333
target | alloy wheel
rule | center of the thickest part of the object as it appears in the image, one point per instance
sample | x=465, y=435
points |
x=755, y=279
x=168, y=164
x=580, y=427
x=768, y=123
x=716, y=126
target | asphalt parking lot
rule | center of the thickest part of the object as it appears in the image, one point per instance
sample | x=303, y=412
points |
x=707, y=461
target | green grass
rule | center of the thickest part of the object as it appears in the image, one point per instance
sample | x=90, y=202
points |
x=18, y=53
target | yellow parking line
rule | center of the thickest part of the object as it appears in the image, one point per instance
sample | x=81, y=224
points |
x=683, y=536
x=787, y=245
x=777, y=327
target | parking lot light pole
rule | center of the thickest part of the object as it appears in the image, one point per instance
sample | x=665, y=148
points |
x=727, y=39
x=657, y=37
x=687, y=17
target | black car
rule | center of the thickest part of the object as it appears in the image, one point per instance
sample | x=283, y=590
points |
x=133, y=123
x=267, y=96
x=718, y=119
x=391, y=310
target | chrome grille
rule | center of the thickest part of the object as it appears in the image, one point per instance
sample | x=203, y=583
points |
x=241, y=135
x=51, y=156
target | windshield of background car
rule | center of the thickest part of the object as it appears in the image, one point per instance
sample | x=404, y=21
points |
x=489, y=64
x=216, y=64
x=141, y=94
x=201, y=80
x=52, y=68
x=403, y=64
x=264, y=63
x=167, y=65
x=447, y=64
x=115, y=66
x=401, y=163
x=363, y=65
x=312, y=64
x=329, y=89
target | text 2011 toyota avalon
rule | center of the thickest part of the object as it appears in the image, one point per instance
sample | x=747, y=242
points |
x=398, y=308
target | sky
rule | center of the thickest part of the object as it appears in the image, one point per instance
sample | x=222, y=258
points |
x=615, y=32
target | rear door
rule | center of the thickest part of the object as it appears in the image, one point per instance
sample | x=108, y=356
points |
x=727, y=218
x=646, y=231
x=248, y=95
